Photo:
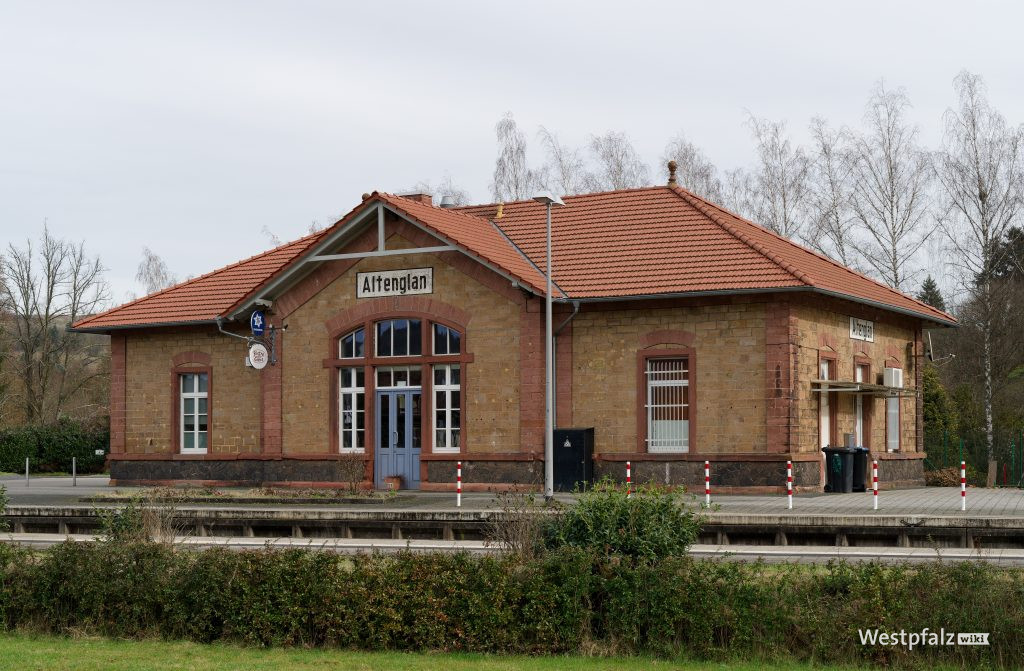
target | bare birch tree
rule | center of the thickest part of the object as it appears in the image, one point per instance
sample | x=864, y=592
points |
x=739, y=192
x=694, y=170
x=618, y=166
x=981, y=170
x=830, y=227
x=513, y=178
x=44, y=289
x=153, y=273
x=565, y=171
x=781, y=180
x=892, y=175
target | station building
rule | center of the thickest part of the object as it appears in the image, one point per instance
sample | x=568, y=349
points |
x=410, y=335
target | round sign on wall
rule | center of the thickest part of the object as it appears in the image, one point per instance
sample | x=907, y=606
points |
x=259, y=357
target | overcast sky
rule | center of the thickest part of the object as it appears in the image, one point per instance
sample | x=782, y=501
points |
x=190, y=126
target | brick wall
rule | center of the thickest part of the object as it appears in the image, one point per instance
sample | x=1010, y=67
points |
x=493, y=378
x=825, y=327
x=729, y=342
x=150, y=394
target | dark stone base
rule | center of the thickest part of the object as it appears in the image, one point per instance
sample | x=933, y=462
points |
x=723, y=473
x=899, y=472
x=526, y=473
x=241, y=471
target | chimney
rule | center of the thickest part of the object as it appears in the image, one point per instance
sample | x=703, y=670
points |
x=419, y=198
x=447, y=202
x=672, y=173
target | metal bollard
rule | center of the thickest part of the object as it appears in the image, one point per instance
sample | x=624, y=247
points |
x=74, y=471
x=26, y=471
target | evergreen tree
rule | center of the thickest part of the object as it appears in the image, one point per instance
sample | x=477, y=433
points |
x=931, y=295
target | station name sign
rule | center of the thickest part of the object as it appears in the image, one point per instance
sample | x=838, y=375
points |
x=395, y=283
x=862, y=329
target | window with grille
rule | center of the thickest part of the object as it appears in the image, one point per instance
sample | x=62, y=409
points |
x=194, y=408
x=668, y=405
x=447, y=408
x=399, y=337
x=352, y=410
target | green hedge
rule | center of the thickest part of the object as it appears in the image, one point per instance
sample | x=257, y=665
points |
x=569, y=601
x=50, y=447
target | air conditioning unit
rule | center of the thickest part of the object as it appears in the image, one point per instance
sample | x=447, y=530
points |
x=893, y=377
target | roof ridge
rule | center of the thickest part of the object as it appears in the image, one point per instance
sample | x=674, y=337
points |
x=818, y=254
x=653, y=187
x=193, y=280
x=702, y=206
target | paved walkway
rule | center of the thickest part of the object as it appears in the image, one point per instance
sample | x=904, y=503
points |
x=924, y=501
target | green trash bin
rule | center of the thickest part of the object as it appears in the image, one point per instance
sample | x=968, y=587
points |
x=838, y=469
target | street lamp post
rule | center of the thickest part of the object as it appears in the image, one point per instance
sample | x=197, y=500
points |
x=549, y=374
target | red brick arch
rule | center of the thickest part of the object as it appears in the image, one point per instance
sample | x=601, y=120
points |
x=396, y=306
x=667, y=337
x=201, y=358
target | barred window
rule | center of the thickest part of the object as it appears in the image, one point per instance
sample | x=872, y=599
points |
x=668, y=405
x=447, y=408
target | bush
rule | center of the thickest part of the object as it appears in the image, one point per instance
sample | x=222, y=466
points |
x=652, y=523
x=50, y=447
x=569, y=600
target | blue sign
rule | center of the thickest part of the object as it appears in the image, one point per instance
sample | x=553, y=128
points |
x=258, y=323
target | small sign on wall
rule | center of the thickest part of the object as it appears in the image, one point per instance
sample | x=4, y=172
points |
x=862, y=329
x=395, y=283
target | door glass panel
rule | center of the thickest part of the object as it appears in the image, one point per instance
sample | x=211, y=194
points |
x=416, y=421
x=400, y=410
x=384, y=432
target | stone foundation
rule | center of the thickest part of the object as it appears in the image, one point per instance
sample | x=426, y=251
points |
x=736, y=475
x=251, y=472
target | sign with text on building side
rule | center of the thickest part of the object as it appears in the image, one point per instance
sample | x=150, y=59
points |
x=395, y=283
x=862, y=329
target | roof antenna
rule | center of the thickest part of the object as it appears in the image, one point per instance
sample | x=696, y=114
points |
x=672, y=173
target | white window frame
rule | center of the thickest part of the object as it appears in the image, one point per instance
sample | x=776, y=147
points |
x=351, y=334
x=195, y=396
x=391, y=334
x=893, y=425
x=348, y=389
x=448, y=339
x=681, y=401
x=445, y=390
x=824, y=406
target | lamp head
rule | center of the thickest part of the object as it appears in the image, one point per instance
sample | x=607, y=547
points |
x=546, y=198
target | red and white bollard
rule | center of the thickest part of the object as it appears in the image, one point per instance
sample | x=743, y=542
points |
x=458, y=484
x=707, y=483
x=629, y=480
x=963, y=485
x=789, y=483
x=874, y=481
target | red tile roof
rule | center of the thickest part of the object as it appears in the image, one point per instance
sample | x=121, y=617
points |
x=646, y=242
x=664, y=240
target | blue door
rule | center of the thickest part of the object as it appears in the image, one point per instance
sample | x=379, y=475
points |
x=398, y=437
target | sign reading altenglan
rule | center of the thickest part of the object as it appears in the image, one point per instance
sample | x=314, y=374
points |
x=395, y=283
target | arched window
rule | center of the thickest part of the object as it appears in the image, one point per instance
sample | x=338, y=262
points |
x=425, y=358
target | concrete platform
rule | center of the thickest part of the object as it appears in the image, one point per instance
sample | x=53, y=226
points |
x=926, y=518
